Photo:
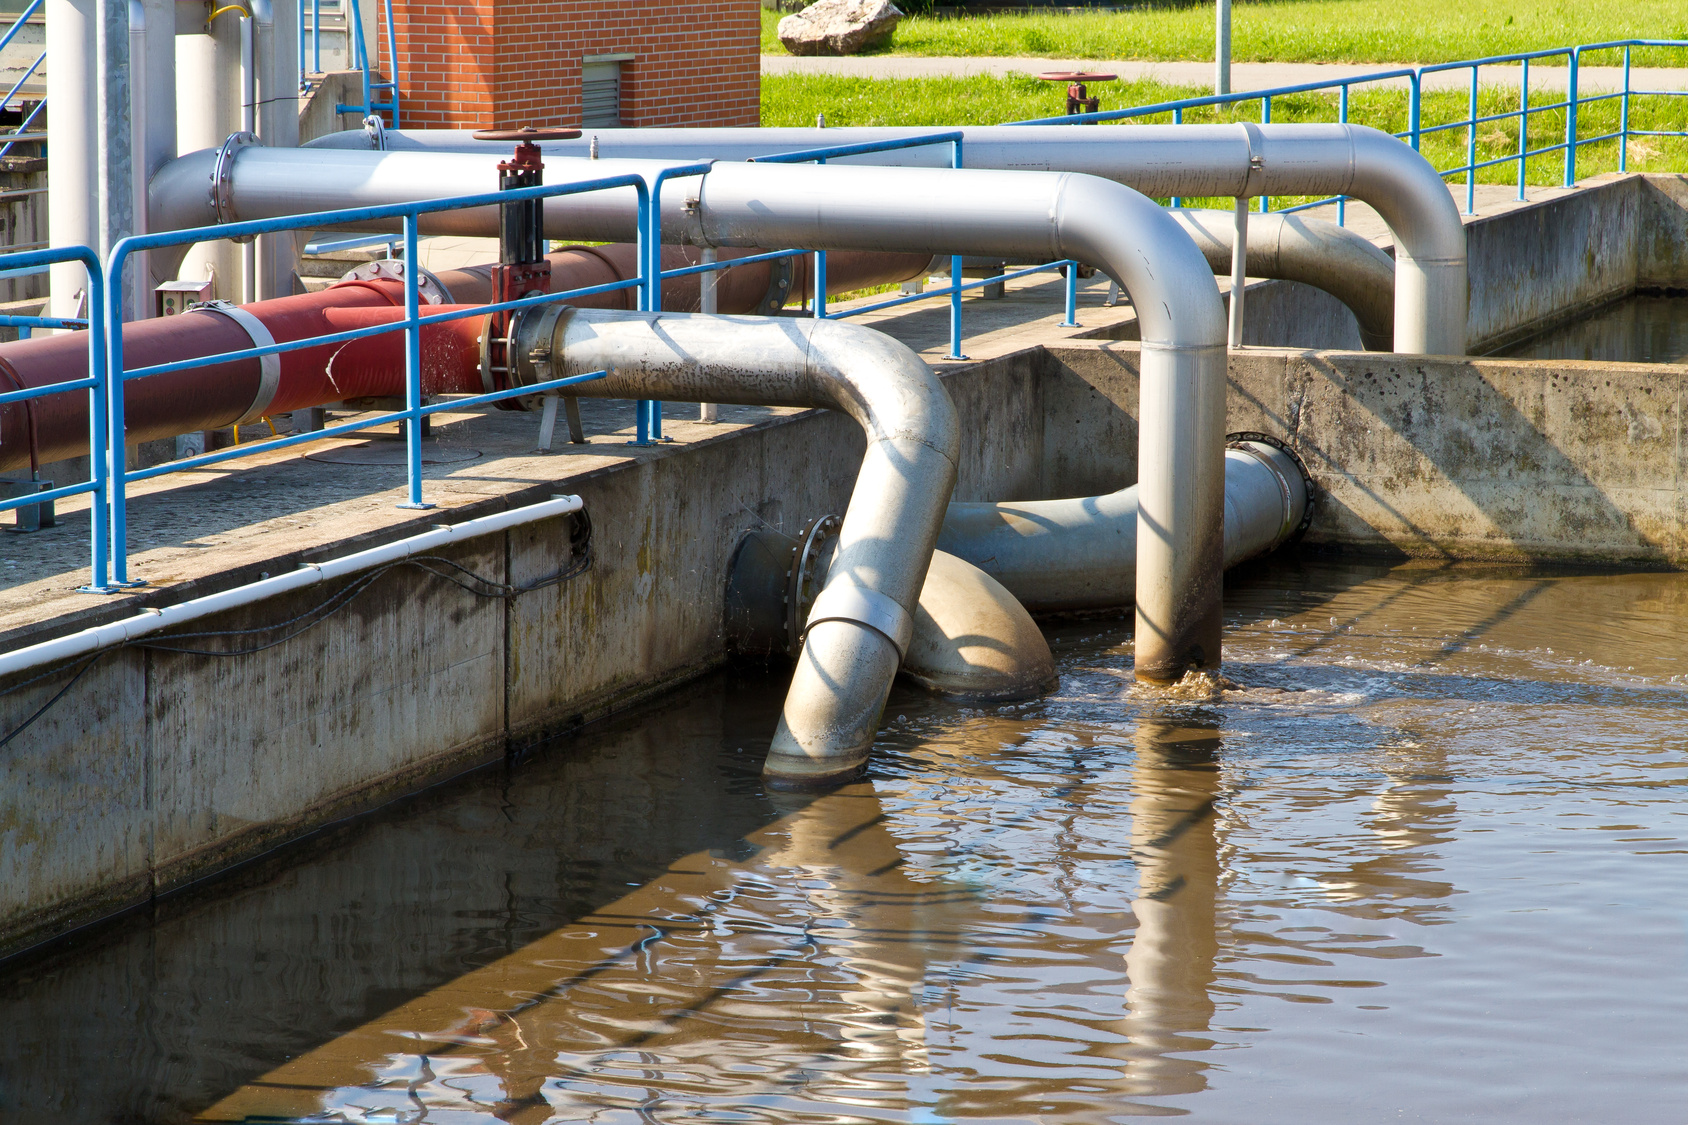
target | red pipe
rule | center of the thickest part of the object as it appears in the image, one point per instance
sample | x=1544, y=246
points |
x=215, y=396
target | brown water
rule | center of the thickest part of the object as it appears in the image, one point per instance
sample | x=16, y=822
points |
x=1429, y=863
x=1644, y=328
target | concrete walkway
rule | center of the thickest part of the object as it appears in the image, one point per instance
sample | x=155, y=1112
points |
x=1244, y=76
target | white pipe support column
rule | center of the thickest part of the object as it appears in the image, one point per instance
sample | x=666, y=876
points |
x=1311, y=251
x=1239, y=272
x=208, y=109
x=1158, y=160
x=863, y=618
x=73, y=144
x=708, y=411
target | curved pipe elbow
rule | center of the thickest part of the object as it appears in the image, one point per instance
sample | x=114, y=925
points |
x=1311, y=251
x=863, y=618
x=1137, y=242
x=1432, y=289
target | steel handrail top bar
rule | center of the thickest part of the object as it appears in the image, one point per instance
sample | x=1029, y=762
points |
x=249, y=449
x=800, y=156
x=36, y=259
x=979, y=283
x=749, y=259
x=250, y=227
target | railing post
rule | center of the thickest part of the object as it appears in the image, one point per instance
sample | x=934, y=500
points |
x=1072, y=295
x=1414, y=110
x=413, y=364
x=1571, y=120
x=1265, y=119
x=316, y=36
x=1471, y=151
x=392, y=61
x=1523, y=129
x=115, y=448
x=818, y=305
x=955, y=307
x=99, y=510
x=1177, y=119
x=1342, y=117
x=1623, y=123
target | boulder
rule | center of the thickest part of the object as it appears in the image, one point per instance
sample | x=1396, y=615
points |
x=839, y=27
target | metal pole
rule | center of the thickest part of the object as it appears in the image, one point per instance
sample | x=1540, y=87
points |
x=708, y=411
x=1222, y=47
x=818, y=304
x=1471, y=151
x=413, y=364
x=1571, y=122
x=1072, y=295
x=1239, y=271
x=99, y=514
x=1523, y=128
x=116, y=219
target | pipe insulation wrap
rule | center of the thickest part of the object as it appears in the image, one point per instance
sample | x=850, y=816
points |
x=1157, y=160
x=309, y=574
x=885, y=543
x=1081, y=554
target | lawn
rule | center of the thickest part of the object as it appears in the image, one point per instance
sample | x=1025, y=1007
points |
x=983, y=100
x=1422, y=31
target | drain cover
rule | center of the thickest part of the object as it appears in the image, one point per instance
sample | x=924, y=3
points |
x=392, y=453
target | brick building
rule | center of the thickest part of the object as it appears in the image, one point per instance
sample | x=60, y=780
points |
x=477, y=63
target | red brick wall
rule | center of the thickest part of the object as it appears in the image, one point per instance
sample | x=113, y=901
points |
x=476, y=63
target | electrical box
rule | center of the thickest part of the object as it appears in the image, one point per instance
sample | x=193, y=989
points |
x=177, y=296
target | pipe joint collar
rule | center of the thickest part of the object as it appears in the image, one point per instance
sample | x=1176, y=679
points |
x=269, y=366
x=846, y=601
x=222, y=179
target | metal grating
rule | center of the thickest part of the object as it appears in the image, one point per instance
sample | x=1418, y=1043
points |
x=600, y=94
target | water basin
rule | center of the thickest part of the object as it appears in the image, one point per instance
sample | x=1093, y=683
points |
x=1642, y=328
x=1423, y=857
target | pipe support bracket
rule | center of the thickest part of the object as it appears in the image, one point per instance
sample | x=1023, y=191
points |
x=269, y=366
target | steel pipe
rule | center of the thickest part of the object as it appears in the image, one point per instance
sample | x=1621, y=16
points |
x=1311, y=251
x=1043, y=216
x=1058, y=555
x=862, y=620
x=1159, y=160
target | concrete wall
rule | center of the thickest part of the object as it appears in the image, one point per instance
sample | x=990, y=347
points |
x=1567, y=461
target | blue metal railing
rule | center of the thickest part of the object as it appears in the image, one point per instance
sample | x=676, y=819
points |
x=118, y=476
x=1417, y=130
x=358, y=48
x=95, y=382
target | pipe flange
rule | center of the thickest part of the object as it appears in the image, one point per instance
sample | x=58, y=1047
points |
x=428, y=287
x=222, y=179
x=269, y=366
x=1232, y=441
x=779, y=288
x=807, y=575
x=529, y=348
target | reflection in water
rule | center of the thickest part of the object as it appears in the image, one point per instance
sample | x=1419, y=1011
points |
x=1643, y=328
x=1174, y=844
x=1426, y=862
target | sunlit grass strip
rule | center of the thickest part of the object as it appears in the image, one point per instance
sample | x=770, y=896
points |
x=1380, y=31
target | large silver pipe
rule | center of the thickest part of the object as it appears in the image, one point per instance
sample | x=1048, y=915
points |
x=1311, y=251
x=862, y=619
x=1039, y=215
x=1056, y=555
x=1158, y=160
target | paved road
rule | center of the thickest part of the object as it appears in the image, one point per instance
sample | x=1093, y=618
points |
x=1244, y=76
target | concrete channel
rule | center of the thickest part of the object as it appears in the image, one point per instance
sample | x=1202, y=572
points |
x=157, y=769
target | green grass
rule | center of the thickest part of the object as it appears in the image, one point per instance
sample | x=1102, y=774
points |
x=983, y=100
x=1380, y=31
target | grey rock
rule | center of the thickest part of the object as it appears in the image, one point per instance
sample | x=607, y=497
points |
x=839, y=27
